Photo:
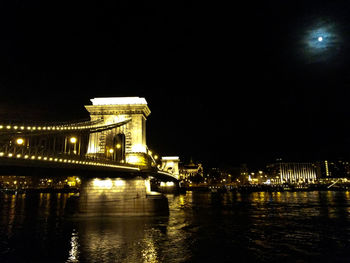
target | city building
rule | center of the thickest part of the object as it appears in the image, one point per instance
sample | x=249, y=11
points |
x=191, y=170
x=333, y=169
x=294, y=173
x=15, y=182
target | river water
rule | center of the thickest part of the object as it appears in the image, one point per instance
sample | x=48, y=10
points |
x=201, y=227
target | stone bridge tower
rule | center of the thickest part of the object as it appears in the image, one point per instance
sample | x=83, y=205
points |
x=126, y=143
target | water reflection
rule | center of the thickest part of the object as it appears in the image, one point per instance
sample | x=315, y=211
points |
x=201, y=227
x=114, y=197
x=74, y=251
x=131, y=239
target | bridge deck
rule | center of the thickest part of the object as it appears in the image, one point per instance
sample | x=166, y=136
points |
x=13, y=164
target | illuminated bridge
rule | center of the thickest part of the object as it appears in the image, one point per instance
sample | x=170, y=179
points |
x=112, y=142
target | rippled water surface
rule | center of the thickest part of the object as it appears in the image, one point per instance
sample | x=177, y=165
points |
x=201, y=227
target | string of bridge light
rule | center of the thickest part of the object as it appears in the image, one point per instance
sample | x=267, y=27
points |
x=49, y=128
x=44, y=128
x=61, y=160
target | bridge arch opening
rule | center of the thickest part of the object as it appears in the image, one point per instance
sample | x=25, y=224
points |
x=133, y=112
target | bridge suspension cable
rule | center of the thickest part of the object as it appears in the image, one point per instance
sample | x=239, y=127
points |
x=90, y=127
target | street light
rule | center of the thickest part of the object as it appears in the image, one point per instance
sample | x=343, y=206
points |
x=73, y=140
x=19, y=141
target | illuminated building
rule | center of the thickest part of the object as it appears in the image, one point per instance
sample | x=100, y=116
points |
x=333, y=169
x=190, y=170
x=15, y=182
x=293, y=172
x=126, y=143
x=244, y=173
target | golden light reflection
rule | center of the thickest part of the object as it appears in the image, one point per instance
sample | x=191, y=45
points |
x=278, y=198
x=149, y=253
x=12, y=213
x=74, y=250
x=182, y=200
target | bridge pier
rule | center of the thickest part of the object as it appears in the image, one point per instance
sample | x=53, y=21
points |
x=119, y=197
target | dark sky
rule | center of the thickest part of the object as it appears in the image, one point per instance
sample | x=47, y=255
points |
x=246, y=82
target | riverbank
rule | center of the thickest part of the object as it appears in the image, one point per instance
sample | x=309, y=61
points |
x=267, y=188
x=39, y=190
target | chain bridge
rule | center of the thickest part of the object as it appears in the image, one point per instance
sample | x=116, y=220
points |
x=113, y=141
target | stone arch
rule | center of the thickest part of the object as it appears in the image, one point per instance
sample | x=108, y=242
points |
x=135, y=111
x=119, y=147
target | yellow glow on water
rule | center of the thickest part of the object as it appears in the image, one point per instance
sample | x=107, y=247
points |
x=74, y=251
x=149, y=253
x=182, y=200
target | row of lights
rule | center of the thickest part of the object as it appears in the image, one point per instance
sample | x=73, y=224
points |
x=20, y=141
x=33, y=128
x=155, y=156
x=72, y=140
x=52, y=159
x=30, y=128
x=111, y=150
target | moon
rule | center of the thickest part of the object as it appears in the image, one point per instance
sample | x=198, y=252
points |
x=320, y=42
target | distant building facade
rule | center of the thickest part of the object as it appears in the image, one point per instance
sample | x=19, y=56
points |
x=190, y=170
x=333, y=169
x=293, y=173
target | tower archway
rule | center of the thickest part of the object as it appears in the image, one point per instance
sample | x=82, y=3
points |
x=131, y=136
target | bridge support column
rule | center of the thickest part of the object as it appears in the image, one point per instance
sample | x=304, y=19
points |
x=116, y=197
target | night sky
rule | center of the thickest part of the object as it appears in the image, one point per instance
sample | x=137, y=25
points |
x=242, y=83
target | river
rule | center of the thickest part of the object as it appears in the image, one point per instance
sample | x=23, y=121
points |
x=200, y=227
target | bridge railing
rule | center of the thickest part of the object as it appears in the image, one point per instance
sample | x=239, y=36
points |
x=23, y=153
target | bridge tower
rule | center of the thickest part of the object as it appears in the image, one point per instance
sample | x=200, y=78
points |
x=126, y=143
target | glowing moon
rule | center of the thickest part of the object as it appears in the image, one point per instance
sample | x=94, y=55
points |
x=321, y=41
